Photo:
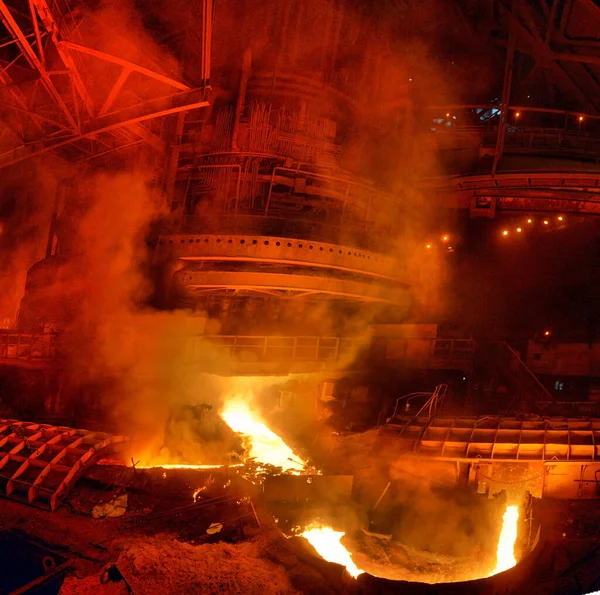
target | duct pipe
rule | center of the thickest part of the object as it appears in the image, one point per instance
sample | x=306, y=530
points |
x=239, y=108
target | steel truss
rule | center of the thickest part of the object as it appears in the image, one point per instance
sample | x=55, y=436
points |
x=51, y=100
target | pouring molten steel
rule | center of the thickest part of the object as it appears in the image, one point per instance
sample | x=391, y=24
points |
x=262, y=444
x=505, y=556
x=327, y=543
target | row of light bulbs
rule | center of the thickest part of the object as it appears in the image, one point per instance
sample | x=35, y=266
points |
x=445, y=239
x=517, y=115
x=506, y=232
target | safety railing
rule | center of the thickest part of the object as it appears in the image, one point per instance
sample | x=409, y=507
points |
x=27, y=347
x=297, y=198
x=452, y=352
x=253, y=348
x=439, y=353
x=527, y=128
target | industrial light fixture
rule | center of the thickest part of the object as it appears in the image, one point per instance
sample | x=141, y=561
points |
x=505, y=233
x=545, y=221
x=560, y=218
x=519, y=229
x=581, y=118
x=529, y=221
x=447, y=115
x=428, y=246
x=517, y=114
x=445, y=238
x=546, y=333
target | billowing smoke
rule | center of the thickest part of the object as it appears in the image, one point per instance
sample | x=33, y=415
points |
x=130, y=363
x=126, y=361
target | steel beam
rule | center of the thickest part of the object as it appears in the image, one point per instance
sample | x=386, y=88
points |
x=33, y=60
x=150, y=138
x=124, y=118
x=560, y=192
x=17, y=95
x=47, y=18
x=125, y=72
x=507, y=86
x=583, y=59
x=541, y=52
x=277, y=250
x=269, y=282
x=125, y=63
x=36, y=31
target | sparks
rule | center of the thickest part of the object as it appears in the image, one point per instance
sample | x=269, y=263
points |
x=197, y=492
x=505, y=555
x=327, y=543
x=263, y=445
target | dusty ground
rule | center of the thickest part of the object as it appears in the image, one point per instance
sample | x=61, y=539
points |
x=152, y=550
x=147, y=554
x=161, y=564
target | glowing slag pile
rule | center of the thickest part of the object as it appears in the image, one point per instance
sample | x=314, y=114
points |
x=327, y=543
x=264, y=446
x=505, y=556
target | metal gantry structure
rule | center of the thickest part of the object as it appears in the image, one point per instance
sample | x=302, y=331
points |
x=267, y=209
x=60, y=93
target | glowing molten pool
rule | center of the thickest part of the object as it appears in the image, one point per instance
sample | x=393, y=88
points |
x=263, y=445
x=505, y=556
x=327, y=543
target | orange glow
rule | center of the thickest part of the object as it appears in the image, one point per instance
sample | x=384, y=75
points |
x=261, y=443
x=445, y=238
x=505, y=233
x=447, y=115
x=560, y=218
x=197, y=492
x=428, y=246
x=519, y=229
x=581, y=118
x=505, y=555
x=547, y=333
x=545, y=222
x=158, y=465
x=517, y=114
x=327, y=543
x=529, y=221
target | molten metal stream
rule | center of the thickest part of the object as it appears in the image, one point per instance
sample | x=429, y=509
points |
x=263, y=444
x=327, y=543
x=505, y=556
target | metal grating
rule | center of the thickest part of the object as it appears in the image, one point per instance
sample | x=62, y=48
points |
x=498, y=438
x=40, y=463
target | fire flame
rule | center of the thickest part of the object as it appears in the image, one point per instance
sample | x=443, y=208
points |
x=327, y=543
x=197, y=492
x=505, y=556
x=263, y=444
